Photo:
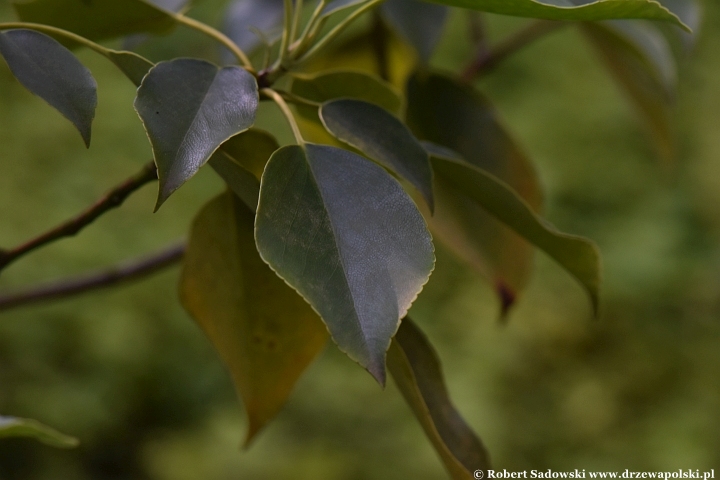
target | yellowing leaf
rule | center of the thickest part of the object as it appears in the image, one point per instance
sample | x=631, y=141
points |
x=263, y=330
x=414, y=366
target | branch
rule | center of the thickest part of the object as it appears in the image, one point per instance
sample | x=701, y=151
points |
x=112, y=199
x=486, y=60
x=94, y=281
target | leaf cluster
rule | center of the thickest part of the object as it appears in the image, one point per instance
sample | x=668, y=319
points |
x=330, y=236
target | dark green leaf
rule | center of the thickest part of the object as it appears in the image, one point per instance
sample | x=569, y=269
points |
x=189, y=108
x=96, y=19
x=416, y=370
x=383, y=138
x=245, y=18
x=344, y=234
x=571, y=10
x=21, y=427
x=420, y=23
x=320, y=88
x=454, y=115
x=640, y=59
x=52, y=72
x=579, y=256
x=266, y=334
x=131, y=64
x=241, y=160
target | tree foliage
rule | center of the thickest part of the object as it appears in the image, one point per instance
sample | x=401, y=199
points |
x=332, y=234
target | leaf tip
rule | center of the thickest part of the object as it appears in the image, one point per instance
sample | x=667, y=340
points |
x=507, y=296
x=377, y=370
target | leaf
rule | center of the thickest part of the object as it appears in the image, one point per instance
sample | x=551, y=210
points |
x=344, y=234
x=420, y=23
x=640, y=59
x=241, y=160
x=383, y=138
x=359, y=53
x=330, y=85
x=690, y=12
x=582, y=10
x=454, y=115
x=579, y=256
x=52, y=72
x=134, y=66
x=21, y=427
x=416, y=370
x=189, y=108
x=325, y=86
x=244, y=18
x=265, y=333
x=96, y=19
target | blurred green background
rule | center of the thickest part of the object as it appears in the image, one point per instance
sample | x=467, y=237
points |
x=129, y=373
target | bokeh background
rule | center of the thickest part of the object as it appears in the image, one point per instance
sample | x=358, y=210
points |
x=129, y=373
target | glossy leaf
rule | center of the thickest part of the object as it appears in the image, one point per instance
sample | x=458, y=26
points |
x=415, y=367
x=134, y=66
x=579, y=256
x=571, y=10
x=420, y=23
x=98, y=19
x=21, y=427
x=52, y=72
x=344, y=234
x=640, y=59
x=454, y=115
x=189, y=108
x=320, y=88
x=265, y=333
x=382, y=137
x=245, y=18
x=241, y=160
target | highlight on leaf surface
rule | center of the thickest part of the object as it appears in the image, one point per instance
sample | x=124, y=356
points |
x=346, y=236
x=452, y=114
x=415, y=367
x=51, y=71
x=189, y=108
x=577, y=10
x=265, y=333
x=22, y=427
x=98, y=19
x=382, y=137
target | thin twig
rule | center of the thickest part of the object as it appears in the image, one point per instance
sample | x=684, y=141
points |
x=486, y=60
x=112, y=199
x=94, y=281
x=337, y=30
x=278, y=99
x=219, y=37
